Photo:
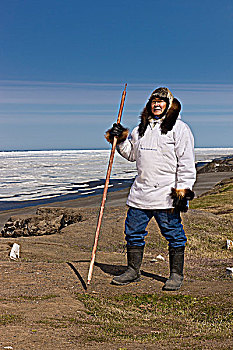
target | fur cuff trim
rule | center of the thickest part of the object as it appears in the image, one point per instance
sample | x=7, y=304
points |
x=182, y=194
x=181, y=198
x=120, y=139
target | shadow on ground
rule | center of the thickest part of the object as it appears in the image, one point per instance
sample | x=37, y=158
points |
x=113, y=270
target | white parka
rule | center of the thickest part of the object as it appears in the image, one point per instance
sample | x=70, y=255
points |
x=163, y=161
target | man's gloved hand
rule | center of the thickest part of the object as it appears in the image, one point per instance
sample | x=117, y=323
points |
x=117, y=130
x=181, y=198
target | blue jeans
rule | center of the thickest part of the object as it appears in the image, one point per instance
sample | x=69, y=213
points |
x=169, y=222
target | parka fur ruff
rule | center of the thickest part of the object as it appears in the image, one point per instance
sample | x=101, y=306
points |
x=168, y=121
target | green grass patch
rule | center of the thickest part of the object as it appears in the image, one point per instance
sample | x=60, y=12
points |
x=219, y=198
x=6, y=319
x=54, y=322
x=30, y=297
x=226, y=188
x=207, y=234
x=152, y=317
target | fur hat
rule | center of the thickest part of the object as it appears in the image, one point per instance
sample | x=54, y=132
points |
x=164, y=94
x=170, y=115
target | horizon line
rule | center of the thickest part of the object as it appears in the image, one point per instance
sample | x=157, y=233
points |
x=90, y=149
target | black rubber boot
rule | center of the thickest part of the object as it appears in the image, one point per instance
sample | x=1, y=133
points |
x=132, y=274
x=176, y=259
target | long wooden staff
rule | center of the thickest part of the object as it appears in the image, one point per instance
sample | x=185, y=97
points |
x=105, y=190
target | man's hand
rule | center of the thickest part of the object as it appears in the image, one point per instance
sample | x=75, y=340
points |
x=181, y=198
x=118, y=131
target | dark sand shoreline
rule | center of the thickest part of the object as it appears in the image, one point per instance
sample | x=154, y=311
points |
x=204, y=182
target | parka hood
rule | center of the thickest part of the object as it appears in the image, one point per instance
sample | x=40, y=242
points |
x=171, y=114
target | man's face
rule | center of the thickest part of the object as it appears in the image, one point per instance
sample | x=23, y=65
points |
x=158, y=106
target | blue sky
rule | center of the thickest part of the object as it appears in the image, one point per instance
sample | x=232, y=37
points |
x=63, y=66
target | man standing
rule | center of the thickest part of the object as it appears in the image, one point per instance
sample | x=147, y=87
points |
x=163, y=148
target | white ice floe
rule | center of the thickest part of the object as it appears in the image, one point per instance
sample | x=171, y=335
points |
x=30, y=175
